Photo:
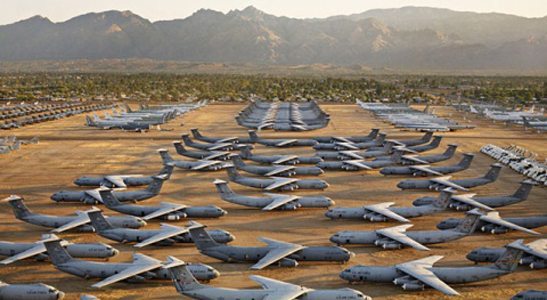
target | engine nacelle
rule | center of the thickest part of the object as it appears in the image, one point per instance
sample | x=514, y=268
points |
x=166, y=242
x=392, y=246
x=288, y=263
x=290, y=187
x=538, y=264
x=413, y=286
x=136, y=279
x=488, y=228
x=375, y=218
x=176, y=216
x=90, y=200
x=526, y=260
x=290, y=206
x=499, y=230
x=402, y=280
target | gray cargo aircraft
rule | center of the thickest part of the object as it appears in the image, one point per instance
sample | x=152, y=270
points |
x=201, y=154
x=341, y=146
x=254, y=138
x=198, y=165
x=276, y=183
x=122, y=181
x=277, y=159
x=427, y=170
x=213, y=140
x=534, y=256
x=207, y=146
x=274, y=170
x=35, y=291
x=492, y=222
x=349, y=139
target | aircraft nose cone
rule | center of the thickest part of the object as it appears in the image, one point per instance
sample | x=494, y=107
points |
x=215, y=274
x=223, y=212
x=328, y=214
x=330, y=202
x=142, y=222
x=56, y=197
x=334, y=239
x=60, y=295
x=115, y=252
x=401, y=185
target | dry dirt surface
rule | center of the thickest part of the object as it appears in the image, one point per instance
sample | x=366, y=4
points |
x=68, y=149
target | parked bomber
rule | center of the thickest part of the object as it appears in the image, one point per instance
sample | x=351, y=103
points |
x=187, y=285
x=534, y=256
x=245, y=153
x=383, y=212
x=419, y=274
x=213, y=140
x=254, y=138
x=276, y=183
x=427, y=170
x=164, y=211
x=140, y=269
x=93, y=196
x=340, y=146
x=122, y=181
x=348, y=139
x=283, y=253
x=35, y=291
x=207, y=146
x=271, y=201
x=274, y=170
x=36, y=250
x=198, y=165
x=80, y=222
x=167, y=235
x=201, y=154
x=493, y=223
x=469, y=201
x=439, y=183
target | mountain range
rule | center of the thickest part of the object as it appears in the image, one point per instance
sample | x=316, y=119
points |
x=411, y=38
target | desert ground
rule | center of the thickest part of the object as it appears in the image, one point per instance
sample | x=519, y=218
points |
x=68, y=149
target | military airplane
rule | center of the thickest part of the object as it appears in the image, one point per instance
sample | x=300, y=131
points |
x=213, y=140
x=164, y=211
x=122, y=181
x=201, y=154
x=439, y=183
x=492, y=222
x=349, y=139
x=245, y=153
x=198, y=165
x=534, y=256
x=36, y=250
x=341, y=146
x=530, y=295
x=276, y=183
x=274, y=170
x=419, y=274
x=80, y=222
x=254, y=138
x=271, y=201
x=283, y=253
x=427, y=170
x=207, y=146
x=36, y=291
x=93, y=196
x=141, y=268
x=405, y=159
x=187, y=285
x=166, y=235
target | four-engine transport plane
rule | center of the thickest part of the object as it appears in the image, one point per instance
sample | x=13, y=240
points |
x=245, y=153
x=274, y=170
x=142, y=267
x=415, y=141
x=283, y=253
x=534, y=256
x=493, y=223
x=164, y=211
x=207, y=146
x=422, y=159
x=386, y=149
x=36, y=250
x=383, y=212
x=435, y=142
x=201, y=154
x=254, y=138
x=530, y=295
x=80, y=222
x=419, y=274
x=36, y=291
x=427, y=170
x=198, y=165
x=397, y=237
x=122, y=181
x=271, y=201
x=93, y=196
x=213, y=140
x=349, y=139
x=440, y=183
x=272, y=289
x=276, y=183
x=341, y=146
x=166, y=235
x=469, y=201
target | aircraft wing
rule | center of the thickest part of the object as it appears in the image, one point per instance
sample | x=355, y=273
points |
x=204, y=164
x=278, y=251
x=299, y=127
x=341, y=139
x=94, y=194
x=537, y=248
x=37, y=249
x=81, y=219
x=279, y=182
x=382, y=209
x=167, y=231
x=116, y=180
x=359, y=163
x=141, y=264
x=425, y=169
x=468, y=199
x=420, y=269
x=397, y=234
x=286, y=142
x=216, y=154
x=285, y=159
x=350, y=145
x=494, y=218
x=446, y=182
x=414, y=159
x=165, y=208
x=218, y=146
x=278, y=200
x=278, y=170
x=279, y=289
x=352, y=154
x=227, y=139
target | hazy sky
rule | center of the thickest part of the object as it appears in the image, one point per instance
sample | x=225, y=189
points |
x=60, y=10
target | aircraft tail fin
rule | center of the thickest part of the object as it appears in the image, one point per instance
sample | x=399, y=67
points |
x=156, y=184
x=108, y=198
x=166, y=171
x=397, y=156
x=525, y=122
x=450, y=150
x=222, y=188
x=57, y=253
x=89, y=122
x=233, y=174
x=436, y=140
x=238, y=162
x=509, y=260
x=128, y=108
x=183, y=279
x=493, y=173
x=179, y=148
x=466, y=160
x=388, y=146
x=245, y=152
x=253, y=136
x=98, y=221
x=444, y=199
x=19, y=207
x=524, y=190
x=470, y=222
x=201, y=237
x=427, y=136
x=165, y=157
x=195, y=133
x=373, y=133
x=186, y=139
x=381, y=138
